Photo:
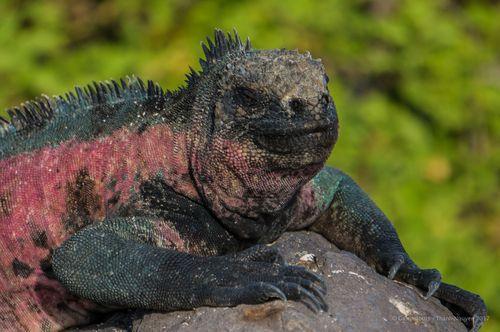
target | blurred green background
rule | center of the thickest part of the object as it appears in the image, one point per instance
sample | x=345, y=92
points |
x=416, y=83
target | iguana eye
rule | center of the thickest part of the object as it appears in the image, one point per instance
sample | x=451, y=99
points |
x=246, y=97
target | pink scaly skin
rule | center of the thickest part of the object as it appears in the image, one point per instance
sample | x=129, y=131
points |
x=36, y=185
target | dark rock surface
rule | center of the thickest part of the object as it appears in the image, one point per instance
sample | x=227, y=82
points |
x=358, y=297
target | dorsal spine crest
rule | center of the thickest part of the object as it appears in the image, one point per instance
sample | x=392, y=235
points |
x=224, y=44
x=35, y=114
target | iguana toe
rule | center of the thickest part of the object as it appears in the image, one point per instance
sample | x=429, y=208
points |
x=260, y=253
x=395, y=267
x=306, y=274
x=312, y=299
x=432, y=288
x=466, y=306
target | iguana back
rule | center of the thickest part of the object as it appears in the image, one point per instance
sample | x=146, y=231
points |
x=67, y=162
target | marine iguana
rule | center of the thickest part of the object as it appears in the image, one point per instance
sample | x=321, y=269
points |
x=123, y=195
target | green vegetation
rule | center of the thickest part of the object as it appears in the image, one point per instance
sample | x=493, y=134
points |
x=416, y=84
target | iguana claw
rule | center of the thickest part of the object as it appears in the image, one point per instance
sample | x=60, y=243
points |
x=432, y=288
x=395, y=267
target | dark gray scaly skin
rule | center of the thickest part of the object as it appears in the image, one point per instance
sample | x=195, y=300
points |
x=182, y=223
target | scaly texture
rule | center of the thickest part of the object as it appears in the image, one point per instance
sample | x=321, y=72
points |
x=121, y=195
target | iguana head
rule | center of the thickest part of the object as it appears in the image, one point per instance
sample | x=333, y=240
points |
x=272, y=126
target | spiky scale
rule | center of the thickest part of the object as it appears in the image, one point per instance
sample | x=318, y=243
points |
x=117, y=88
x=80, y=94
x=3, y=121
x=211, y=45
x=44, y=106
x=206, y=51
x=248, y=45
x=123, y=82
x=237, y=38
x=151, y=87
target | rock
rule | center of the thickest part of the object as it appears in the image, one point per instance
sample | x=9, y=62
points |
x=359, y=299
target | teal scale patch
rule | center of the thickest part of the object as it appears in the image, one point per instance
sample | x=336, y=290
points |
x=325, y=185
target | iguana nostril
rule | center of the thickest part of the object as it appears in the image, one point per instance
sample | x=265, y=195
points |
x=297, y=105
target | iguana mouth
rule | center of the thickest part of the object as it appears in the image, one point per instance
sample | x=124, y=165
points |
x=270, y=129
x=290, y=140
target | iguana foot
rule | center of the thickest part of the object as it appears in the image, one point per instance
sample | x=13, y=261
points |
x=401, y=267
x=468, y=307
x=257, y=275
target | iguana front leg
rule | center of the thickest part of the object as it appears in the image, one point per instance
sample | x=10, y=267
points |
x=116, y=263
x=347, y=217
